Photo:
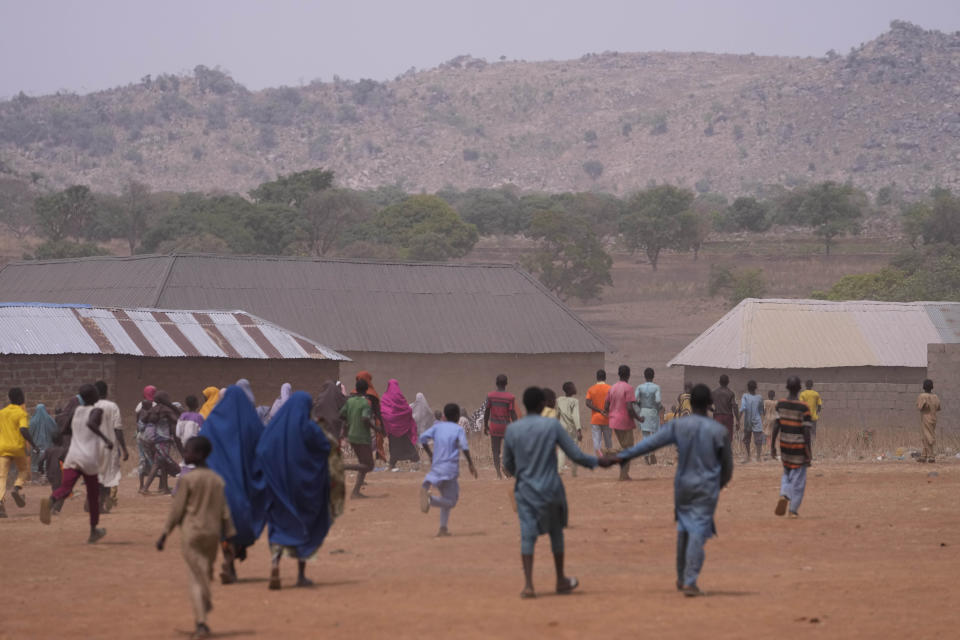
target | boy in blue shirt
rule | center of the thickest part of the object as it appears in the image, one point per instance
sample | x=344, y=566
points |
x=449, y=440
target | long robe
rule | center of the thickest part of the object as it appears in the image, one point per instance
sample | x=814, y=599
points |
x=530, y=455
x=234, y=430
x=42, y=429
x=704, y=466
x=292, y=467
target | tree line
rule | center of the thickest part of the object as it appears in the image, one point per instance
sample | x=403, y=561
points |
x=307, y=214
x=928, y=270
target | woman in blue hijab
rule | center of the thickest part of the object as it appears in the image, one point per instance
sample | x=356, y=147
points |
x=42, y=430
x=292, y=465
x=234, y=429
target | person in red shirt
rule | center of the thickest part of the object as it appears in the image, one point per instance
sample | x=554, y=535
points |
x=500, y=411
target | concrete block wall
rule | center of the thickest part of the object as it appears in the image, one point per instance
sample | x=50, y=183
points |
x=943, y=367
x=857, y=397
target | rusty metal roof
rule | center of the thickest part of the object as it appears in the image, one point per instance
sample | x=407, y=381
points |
x=782, y=334
x=349, y=304
x=47, y=329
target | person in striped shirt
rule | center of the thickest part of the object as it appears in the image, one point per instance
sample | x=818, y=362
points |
x=794, y=426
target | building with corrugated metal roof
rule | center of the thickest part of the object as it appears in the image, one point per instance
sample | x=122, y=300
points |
x=51, y=349
x=867, y=359
x=443, y=329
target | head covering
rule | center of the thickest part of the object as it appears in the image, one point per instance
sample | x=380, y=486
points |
x=42, y=427
x=149, y=392
x=397, y=415
x=365, y=375
x=285, y=390
x=234, y=430
x=292, y=467
x=244, y=384
x=212, y=394
x=422, y=413
x=329, y=402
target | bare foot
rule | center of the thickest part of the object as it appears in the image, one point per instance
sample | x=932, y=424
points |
x=357, y=494
x=304, y=581
x=443, y=533
x=528, y=593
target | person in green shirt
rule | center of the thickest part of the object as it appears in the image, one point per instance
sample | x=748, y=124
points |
x=357, y=415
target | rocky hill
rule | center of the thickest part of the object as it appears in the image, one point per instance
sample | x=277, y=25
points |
x=888, y=112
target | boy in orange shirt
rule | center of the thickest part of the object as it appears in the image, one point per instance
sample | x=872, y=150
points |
x=596, y=400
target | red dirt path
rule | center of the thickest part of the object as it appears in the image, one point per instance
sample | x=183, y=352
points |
x=874, y=555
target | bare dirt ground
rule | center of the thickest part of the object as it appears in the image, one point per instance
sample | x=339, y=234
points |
x=874, y=555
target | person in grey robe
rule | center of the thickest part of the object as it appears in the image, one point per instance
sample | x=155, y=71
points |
x=530, y=455
x=704, y=466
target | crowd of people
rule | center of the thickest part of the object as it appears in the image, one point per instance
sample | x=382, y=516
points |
x=246, y=467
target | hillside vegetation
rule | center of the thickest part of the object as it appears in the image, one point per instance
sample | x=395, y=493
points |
x=886, y=113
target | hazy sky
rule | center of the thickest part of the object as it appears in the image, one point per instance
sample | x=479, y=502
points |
x=87, y=45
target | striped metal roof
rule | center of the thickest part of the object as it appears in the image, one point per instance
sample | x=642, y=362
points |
x=46, y=329
x=350, y=305
x=782, y=334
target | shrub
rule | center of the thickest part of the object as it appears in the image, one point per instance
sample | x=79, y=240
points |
x=593, y=168
x=62, y=249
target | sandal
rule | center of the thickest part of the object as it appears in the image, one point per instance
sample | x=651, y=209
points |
x=572, y=583
x=782, y=504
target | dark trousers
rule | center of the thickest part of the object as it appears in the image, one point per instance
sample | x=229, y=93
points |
x=70, y=477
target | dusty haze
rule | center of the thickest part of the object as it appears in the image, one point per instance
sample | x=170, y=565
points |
x=49, y=45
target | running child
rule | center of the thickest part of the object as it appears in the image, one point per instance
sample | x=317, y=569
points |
x=530, y=456
x=84, y=459
x=14, y=436
x=704, y=466
x=200, y=509
x=449, y=439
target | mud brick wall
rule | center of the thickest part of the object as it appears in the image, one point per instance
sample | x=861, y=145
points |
x=51, y=380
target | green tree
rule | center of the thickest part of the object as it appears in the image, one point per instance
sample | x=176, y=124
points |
x=748, y=214
x=16, y=206
x=137, y=209
x=400, y=224
x=913, y=222
x=601, y=210
x=324, y=216
x=570, y=259
x=942, y=223
x=657, y=218
x=65, y=214
x=736, y=285
x=699, y=224
x=492, y=211
x=292, y=190
x=832, y=210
